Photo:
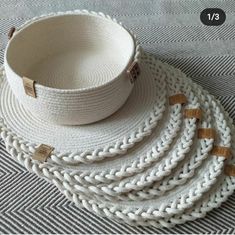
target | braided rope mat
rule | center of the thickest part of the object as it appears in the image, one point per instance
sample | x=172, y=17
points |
x=195, y=182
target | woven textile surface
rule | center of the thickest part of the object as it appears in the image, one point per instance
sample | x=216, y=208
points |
x=172, y=31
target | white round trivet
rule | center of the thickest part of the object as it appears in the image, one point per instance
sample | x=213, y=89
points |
x=89, y=143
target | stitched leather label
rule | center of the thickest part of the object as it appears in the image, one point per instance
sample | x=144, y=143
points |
x=133, y=71
x=221, y=151
x=29, y=87
x=229, y=170
x=42, y=152
x=206, y=133
x=193, y=113
x=177, y=99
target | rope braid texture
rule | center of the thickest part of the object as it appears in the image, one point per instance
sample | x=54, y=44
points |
x=184, y=171
x=101, y=208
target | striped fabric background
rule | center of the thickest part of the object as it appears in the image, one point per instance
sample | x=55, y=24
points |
x=170, y=29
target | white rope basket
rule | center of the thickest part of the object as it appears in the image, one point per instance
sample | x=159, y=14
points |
x=79, y=64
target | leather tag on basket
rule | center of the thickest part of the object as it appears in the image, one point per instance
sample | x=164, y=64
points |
x=29, y=87
x=177, y=99
x=193, y=113
x=42, y=152
x=206, y=133
x=221, y=151
x=11, y=32
x=133, y=71
x=229, y=170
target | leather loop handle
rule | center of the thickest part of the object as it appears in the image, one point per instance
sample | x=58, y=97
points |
x=11, y=32
x=229, y=170
x=221, y=151
x=29, y=87
x=177, y=99
x=133, y=71
x=42, y=152
x=206, y=133
x=193, y=113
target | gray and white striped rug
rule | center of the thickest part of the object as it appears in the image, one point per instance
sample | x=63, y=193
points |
x=170, y=29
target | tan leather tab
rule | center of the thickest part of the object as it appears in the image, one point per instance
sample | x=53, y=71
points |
x=133, y=71
x=229, y=170
x=11, y=32
x=42, y=152
x=221, y=151
x=193, y=113
x=206, y=133
x=177, y=99
x=29, y=87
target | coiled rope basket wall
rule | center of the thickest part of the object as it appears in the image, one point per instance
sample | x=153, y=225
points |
x=79, y=62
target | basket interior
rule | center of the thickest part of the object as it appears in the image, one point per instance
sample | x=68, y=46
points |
x=71, y=51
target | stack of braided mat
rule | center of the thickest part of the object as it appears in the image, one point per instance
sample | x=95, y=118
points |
x=164, y=158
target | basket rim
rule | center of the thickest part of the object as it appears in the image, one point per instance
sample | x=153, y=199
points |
x=135, y=57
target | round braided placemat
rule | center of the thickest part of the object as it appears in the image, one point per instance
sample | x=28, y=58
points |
x=141, y=113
